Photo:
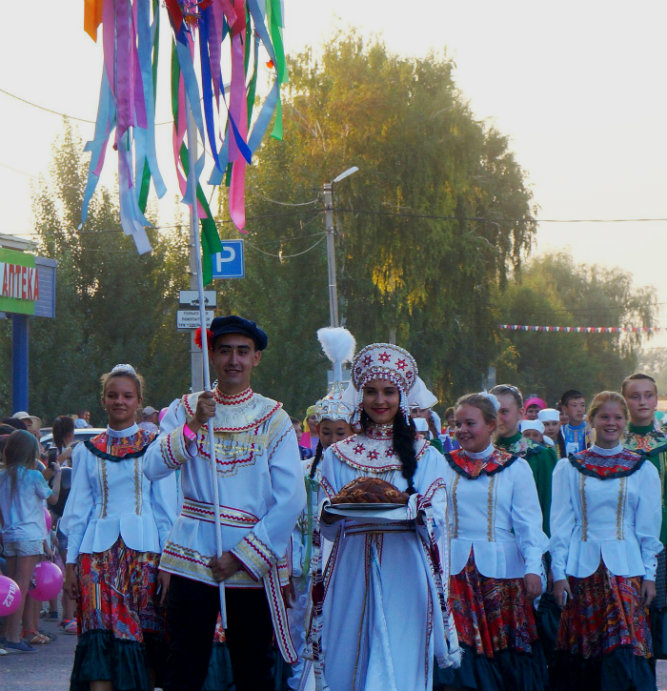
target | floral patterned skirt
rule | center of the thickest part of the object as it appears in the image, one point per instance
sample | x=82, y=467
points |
x=120, y=626
x=604, y=641
x=605, y=612
x=118, y=593
x=491, y=614
x=496, y=626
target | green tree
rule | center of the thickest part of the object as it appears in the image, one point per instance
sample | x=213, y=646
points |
x=433, y=222
x=554, y=291
x=112, y=305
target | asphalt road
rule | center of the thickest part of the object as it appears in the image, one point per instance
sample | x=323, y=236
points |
x=49, y=668
x=46, y=670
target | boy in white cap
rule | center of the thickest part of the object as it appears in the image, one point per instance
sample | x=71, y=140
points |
x=550, y=418
x=534, y=429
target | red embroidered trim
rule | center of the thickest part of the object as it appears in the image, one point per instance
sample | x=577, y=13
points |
x=182, y=556
x=208, y=514
x=244, y=428
x=437, y=484
x=287, y=646
x=249, y=542
x=234, y=399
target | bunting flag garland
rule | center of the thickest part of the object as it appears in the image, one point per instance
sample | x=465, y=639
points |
x=584, y=329
x=223, y=113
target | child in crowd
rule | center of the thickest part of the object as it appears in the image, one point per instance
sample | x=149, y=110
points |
x=309, y=438
x=641, y=395
x=576, y=432
x=23, y=490
x=550, y=418
x=532, y=407
x=448, y=437
x=534, y=430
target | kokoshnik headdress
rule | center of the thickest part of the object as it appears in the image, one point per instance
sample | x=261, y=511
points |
x=338, y=345
x=392, y=363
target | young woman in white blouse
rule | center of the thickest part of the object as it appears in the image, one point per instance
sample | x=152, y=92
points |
x=497, y=542
x=116, y=521
x=605, y=527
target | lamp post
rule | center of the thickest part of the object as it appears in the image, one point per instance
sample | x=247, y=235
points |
x=331, y=253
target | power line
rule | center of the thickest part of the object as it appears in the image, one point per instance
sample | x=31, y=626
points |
x=282, y=256
x=484, y=219
x=59, y=113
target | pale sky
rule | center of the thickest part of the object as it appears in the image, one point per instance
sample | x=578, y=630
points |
x=580, y=89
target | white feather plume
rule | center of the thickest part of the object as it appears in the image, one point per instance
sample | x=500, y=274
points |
x=337, y=343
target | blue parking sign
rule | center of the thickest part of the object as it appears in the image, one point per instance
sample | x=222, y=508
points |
x=230, y=262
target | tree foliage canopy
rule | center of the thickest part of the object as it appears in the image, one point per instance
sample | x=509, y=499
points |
x=430, y=238
x=110, y=302
x=429, y=227
x=553, y=290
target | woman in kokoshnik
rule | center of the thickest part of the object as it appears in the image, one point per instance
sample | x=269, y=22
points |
x=117, y=522
x=497, y=543
x=380, y=612
x=605, y=518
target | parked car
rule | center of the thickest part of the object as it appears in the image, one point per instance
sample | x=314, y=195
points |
x=80, y=434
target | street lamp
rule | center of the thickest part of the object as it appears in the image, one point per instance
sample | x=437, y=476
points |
x=331, y=255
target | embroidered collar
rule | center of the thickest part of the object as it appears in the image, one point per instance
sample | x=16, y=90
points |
x=113, y=447
x=372, y=455
x=123, y=433
x=606, y=464
x=472, y=468
x=233, y=399
x=239, y=413
x=646, y=439
x=519, y=445
x=380, y=432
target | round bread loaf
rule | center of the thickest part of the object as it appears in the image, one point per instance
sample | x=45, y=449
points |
x=370, y=490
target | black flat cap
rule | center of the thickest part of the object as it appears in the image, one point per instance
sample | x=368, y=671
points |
x=233, y=324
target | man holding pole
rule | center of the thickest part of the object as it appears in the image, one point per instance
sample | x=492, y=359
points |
x=261, y=494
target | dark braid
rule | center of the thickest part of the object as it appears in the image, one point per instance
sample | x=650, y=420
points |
x=316, y=459
x=403, y=443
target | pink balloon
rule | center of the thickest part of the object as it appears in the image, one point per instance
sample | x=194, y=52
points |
x=10, y=596
x=48, y=580
x=48, y=519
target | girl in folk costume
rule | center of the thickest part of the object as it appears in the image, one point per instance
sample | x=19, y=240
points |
x=116, y=521
x=380, y=612
x=605, y=520
x=644, y=436
x=333, y=424
x=497, y=544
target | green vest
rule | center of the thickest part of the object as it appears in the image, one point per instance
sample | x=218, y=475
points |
x=653, y=444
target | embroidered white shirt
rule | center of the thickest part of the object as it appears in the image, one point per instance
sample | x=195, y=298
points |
x=109, y=499
x=260, y=482
x=498, y=517
x=614, y=519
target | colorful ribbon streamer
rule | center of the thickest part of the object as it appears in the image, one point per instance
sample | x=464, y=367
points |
x=223, y=114
x=126, y=104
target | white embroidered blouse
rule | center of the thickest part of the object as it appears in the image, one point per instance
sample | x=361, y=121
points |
x=111, y=497
x=495, y=513
x=606, y=506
